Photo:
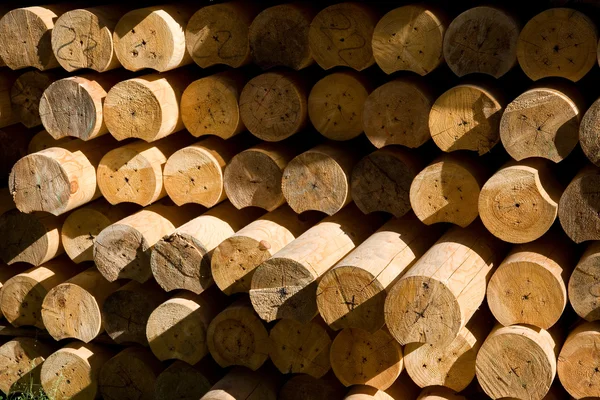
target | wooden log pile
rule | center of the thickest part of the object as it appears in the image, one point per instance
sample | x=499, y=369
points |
x=300, y=201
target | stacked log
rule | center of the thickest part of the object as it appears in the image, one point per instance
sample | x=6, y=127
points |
x=184, y=381
x=20, y=362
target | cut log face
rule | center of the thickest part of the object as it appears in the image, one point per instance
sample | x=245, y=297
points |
x=558, y=42
x=584, y=290
x=83, y=38
x=340, y=35
x=398, y=113
x=72, y=372
x=578, y=360
x=31, y=238
x=236, y=258
x=542, y=122
x=181, y=380
x=6, y=273
x=362, y=358
x=519, y=203
x=278, y=36
x=26, y=93
x=466, y=117
x=241, y=383
x=409, y=38
x=517, y=361
x=539, y=296
x=438, y=296
x=218, y=34
x=301, y=348
x=447, y=190
x=381, y=180
x=588, y=133
x=125, y=312
x=273, y=105
x=130, y=374
x=153, y=37
x=20, y=363
x=578, y=206
x=73, y=309
x=352, y=293
x=306, y=387
x=26, y=33
x=237, y=336
x=335, y=105
x=482, y=40
x=209, y=106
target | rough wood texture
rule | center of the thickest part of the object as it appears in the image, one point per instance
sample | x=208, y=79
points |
x=134, y=172
x=6, y=273
x=517, y=361
x=335, y=105
x=59, y=179
x=218, y=34
x=584, y=290
x=125, y=312
x=447, y=190
x=340, y=35
x=278, y=36
x=20, y=363
x=42, y=140
x=577, y=210
x=402, y=389
x=352, y=293
x=153, y=37
x=26, y=93
x=542, y=122
x=72, y=372
x=122, y=250
x=306, y=387
x=30, y=238
x=22, y=295
x=558, y=42
x=81, y=227
x=182, y=260
x=236, y=258
x=194, y=174
x=237, y=336
x=439, y=393
x=397, y=112
x=362, y=358
x=319, y=179
x=131, y=374
x=25, y=36
x=177, y=328
x=146, y=107
x=73, y=106
x=466, y=117
x=438, y=296
x=243, y=384
x=73, y=309
x=252, y=178
x=285, y=285
x=453, y=365
x=530, y=286
x=183, y=381
x=301, y=348
x=519, y=203
x=588, y=133
x=410, y=38
x=209, y=106
x=273, y=105
x=482, y=40
x=381, y=180
x=577, y=361
x=83, y=38
x=7, y=115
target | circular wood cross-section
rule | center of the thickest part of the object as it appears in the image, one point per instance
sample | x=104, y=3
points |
x=589, y=134
x=584, y=284
x=579, y=205
x=578, y=362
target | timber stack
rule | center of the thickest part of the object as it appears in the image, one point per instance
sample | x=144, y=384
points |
x=300, y=200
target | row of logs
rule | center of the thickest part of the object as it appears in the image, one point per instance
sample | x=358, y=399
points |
x=416, y=38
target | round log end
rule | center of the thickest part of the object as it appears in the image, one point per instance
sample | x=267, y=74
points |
x=27, y=239
x=181, y=381
x=128, y=376
x=79, y=232
x=66, y=375
x=125, y=314
x=351, y=297
x=588, y=133
x=584, y=286
x=25, y=96
x=577, y=363
x=122, y=252
x=21, y=301
x=20, y=361
x=579, y=205
x=430, y=314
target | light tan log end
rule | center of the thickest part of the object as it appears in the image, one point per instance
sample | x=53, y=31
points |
x=578, y=361
x=398, y=113
x=20, y=363
x=466, y=117
x=584, y=284
x=579, y=205
x=362, y=358
x=588, y=133
x=300, y=348
x=409, y=38
x=558, y=42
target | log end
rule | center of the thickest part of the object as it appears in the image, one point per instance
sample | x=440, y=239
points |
x=20, y=363
x=124, y=316
x=126, y=376
x=577, y=362
x=27, y=239
x=588, y=133
x=79, y=232
x=21, y=301
x=25, y=96
x=66, y=374
x=181, y=381
x=584, y=286
x=122, y=252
